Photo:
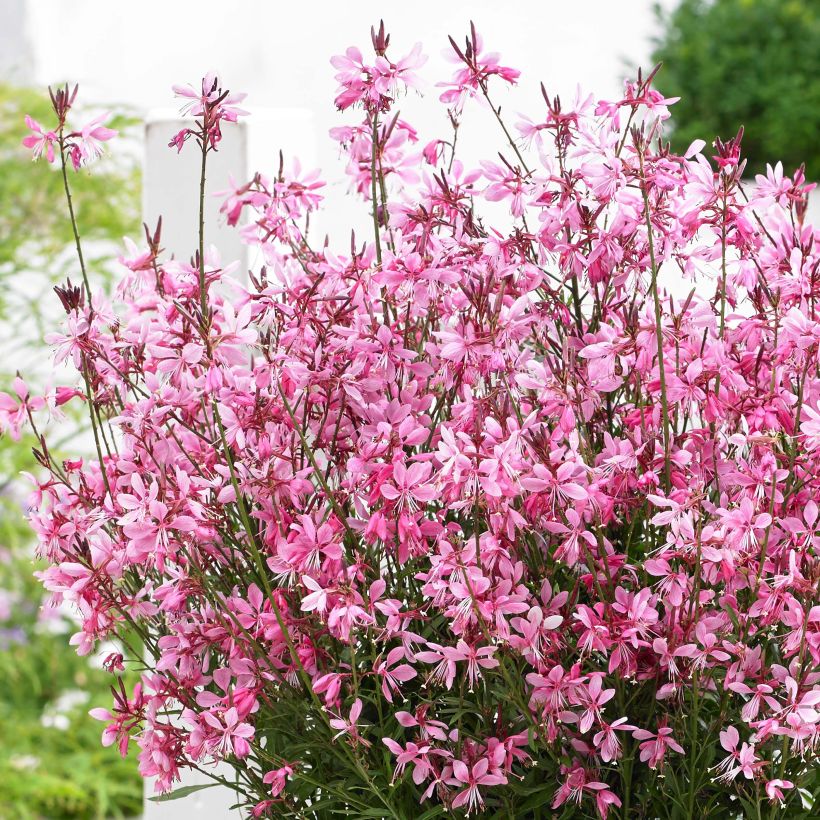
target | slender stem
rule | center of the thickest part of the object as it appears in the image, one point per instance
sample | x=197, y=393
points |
x=723, y=266
x=693, y=729
x=203, y=295
x=90, y=397
x=78, y=244
x=507, y=134
x=374, y=194
x=658, y=328
x=74, y=227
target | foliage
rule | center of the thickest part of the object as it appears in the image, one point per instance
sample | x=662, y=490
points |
x=475, y=515
x=754, y=63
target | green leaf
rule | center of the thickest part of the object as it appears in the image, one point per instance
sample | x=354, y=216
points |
x=180, y=793
x=436, y=811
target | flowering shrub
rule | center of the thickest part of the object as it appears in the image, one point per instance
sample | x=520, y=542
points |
x=471, y=516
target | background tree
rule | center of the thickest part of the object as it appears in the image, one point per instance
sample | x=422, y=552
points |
x=754, y=63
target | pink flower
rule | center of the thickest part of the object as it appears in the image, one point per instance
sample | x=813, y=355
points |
x=210, y=96
x=316, y=599
x=375, y=86
x=392, y=675
x=477, y=67
x=222, y=735
x=577, y=780
x=654, y=746
x=87, y=145
x=741, y=760
x=409, y=488
x=775, y=789
x=210, y=105
x=607, y=741
x=427, y=728
x=473, y=777
x=349, y=726
x=593, y=698
x=418, y=755
x=277, y=778
x=499, y=451
x=447, y=657
x=40, y=141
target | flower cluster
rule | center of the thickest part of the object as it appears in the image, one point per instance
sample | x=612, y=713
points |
x=210, y=106
x=81, y=146
x=489, y=515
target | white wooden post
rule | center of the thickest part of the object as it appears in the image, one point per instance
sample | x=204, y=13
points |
x=171, y=179
x=171, y=189
x=171, y=186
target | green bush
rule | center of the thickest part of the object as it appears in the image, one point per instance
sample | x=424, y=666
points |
x=754, y=63
x=52, y=764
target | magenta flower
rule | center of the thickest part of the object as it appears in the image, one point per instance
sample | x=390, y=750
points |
x=393, y=673
x=576, y=781
x=223, y=735
x=409, y=489
x=775, y=789
x=277, y=778
x=740, y=761
x=593, y=700
x=419, y=755
x=607, y=741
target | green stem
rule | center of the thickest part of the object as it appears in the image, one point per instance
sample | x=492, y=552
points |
x=693, y=731
x=374, y=194
x=658, y=328
x=507, y=134
x=74, y=227
x=203, y=295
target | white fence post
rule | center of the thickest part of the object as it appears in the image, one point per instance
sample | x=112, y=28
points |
x=171, y=189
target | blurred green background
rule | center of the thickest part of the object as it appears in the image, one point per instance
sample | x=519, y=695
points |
x=51, y=761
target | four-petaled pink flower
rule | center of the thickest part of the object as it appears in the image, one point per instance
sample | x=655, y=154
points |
x=393, y=673
x=87, y=142
x=349, y=726
x=472, y=777
x=654, y=746
x=409, y=488
x=39, y=141
x=741, y=760
x=277, y=778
